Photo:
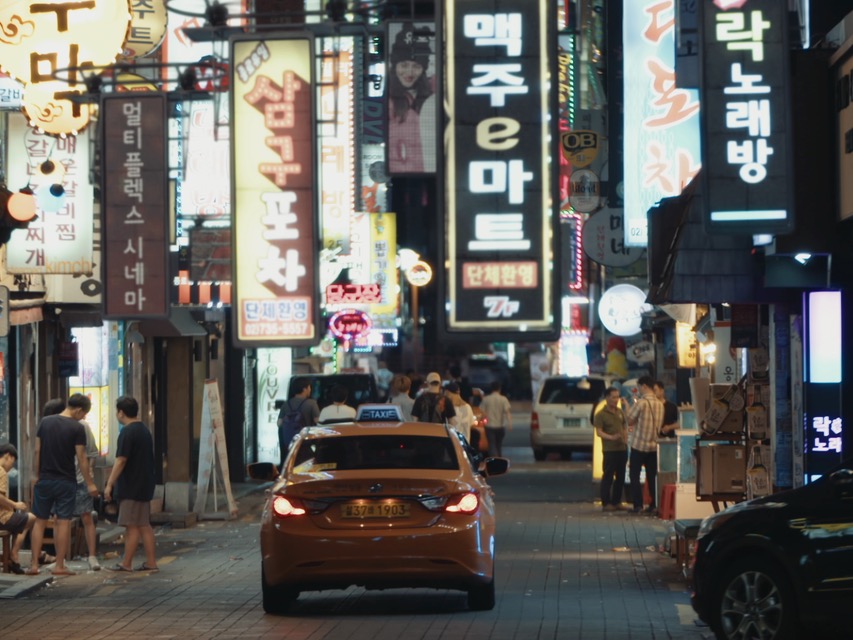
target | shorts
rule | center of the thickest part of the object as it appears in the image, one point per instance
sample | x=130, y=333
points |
x=55, y=496
x=134, y=513
x=83, y=502
x=16, y=523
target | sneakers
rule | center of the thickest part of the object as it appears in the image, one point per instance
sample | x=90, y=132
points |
x=94, y=565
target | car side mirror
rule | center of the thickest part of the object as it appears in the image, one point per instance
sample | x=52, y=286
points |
x=842, y=483
x=266, y=471
x=496, y=466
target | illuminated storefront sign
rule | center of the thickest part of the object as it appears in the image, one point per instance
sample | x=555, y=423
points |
x=383, y=262
x=620, y=309
x=745, y=119
x=147, y=28
x=823, y=424
x=273, y=372
x=661, y=121
x=135, y=268
x=274, y=229
x=60, y=240
x=337, y=147
x=40, y=39
x=499, y=172
x=350, y=324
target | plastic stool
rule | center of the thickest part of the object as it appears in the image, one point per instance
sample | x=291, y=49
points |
x=667, y=507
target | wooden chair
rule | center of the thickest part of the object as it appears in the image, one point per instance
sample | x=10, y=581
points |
x=6, y=555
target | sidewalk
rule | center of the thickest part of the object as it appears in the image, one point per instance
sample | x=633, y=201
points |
x=564, y=570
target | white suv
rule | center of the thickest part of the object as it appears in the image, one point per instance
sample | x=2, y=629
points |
x=562, y=414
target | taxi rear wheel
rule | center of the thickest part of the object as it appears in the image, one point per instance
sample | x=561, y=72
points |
x=277, y=599
x=482, y=597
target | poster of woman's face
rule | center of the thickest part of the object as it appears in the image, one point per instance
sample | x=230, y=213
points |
x=410, y=96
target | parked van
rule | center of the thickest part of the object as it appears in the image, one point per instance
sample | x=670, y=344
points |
x=562, y=414
x=362, y=387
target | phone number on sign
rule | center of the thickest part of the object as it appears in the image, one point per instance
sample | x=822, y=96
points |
x=278, y=329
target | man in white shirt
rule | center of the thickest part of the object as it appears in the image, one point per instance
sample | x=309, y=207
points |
x=339, y=410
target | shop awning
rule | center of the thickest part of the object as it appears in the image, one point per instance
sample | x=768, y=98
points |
x=686, y=264
x=180, y=323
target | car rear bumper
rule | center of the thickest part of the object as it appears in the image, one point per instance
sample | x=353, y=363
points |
x=409, y=558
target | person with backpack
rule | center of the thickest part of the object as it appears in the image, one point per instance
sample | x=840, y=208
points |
x=301, y=410
x=432, y=405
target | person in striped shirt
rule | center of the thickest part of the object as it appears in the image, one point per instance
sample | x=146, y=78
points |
x=645, y=418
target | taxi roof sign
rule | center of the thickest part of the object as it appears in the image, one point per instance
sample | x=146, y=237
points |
x=379, y=413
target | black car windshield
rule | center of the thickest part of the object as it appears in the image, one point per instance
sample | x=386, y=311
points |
x=343, y=453
x=569, y=391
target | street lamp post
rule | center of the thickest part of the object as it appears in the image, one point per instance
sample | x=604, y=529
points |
x=418, y=274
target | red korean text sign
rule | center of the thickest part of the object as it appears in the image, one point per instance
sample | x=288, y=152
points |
x=135, y=206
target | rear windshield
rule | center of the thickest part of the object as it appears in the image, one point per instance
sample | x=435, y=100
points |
x=567, y=391
x=375, y=452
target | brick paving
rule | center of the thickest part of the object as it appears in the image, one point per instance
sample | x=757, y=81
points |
x=564, y=570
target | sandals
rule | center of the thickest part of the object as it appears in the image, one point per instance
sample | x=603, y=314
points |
x=144, y=567
x=45, y=558
x=119, y=567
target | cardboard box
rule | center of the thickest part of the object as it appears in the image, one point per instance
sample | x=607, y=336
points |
x=721, y=469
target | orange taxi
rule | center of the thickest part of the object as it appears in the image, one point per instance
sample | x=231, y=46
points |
x=380, y=503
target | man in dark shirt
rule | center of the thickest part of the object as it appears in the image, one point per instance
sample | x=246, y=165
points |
x=670, y=412
x=132, y=478
x=59, y=438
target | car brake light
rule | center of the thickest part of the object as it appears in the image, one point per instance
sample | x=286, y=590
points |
x=467, y=503
x=534, y=421
x=287, y=507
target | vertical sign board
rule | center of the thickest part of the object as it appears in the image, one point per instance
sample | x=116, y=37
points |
x=661, y=121
x=500, y=168
x=275, y=244
x=823, y=418
x=135, y=268
x=745, y=117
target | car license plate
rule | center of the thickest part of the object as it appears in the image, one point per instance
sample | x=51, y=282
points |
x=375, y=510
x=574, y=423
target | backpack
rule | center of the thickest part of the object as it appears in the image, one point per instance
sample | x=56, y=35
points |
x=432, y=407
x=290, y=422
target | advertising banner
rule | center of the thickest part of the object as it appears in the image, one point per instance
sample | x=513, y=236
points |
x=499, y=169
x=411, y=97
x=275, y=245
x=745, y=117
x=135, y=269
x=60, y=239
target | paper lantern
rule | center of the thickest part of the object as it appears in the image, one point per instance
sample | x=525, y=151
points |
x=22, y=205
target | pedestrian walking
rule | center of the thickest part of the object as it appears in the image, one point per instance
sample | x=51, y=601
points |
x=131, y=482
x=339, y=410
x=59, y=439
x=646, y=418
x=14, y=516
x=464, y=412
x=432, y=405
x=612, y=427
x=298, y=411
x=498, y=418
x=84, y=504
x=400, y=395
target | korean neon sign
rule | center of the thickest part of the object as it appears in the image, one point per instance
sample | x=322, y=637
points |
x=498, y=174
x=745, y=119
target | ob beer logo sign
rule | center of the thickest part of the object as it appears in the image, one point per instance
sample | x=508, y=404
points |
x=580, y=147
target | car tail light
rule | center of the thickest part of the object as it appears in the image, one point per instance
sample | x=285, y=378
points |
x=287, y=507
x=466, y=503
x=534, y=421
